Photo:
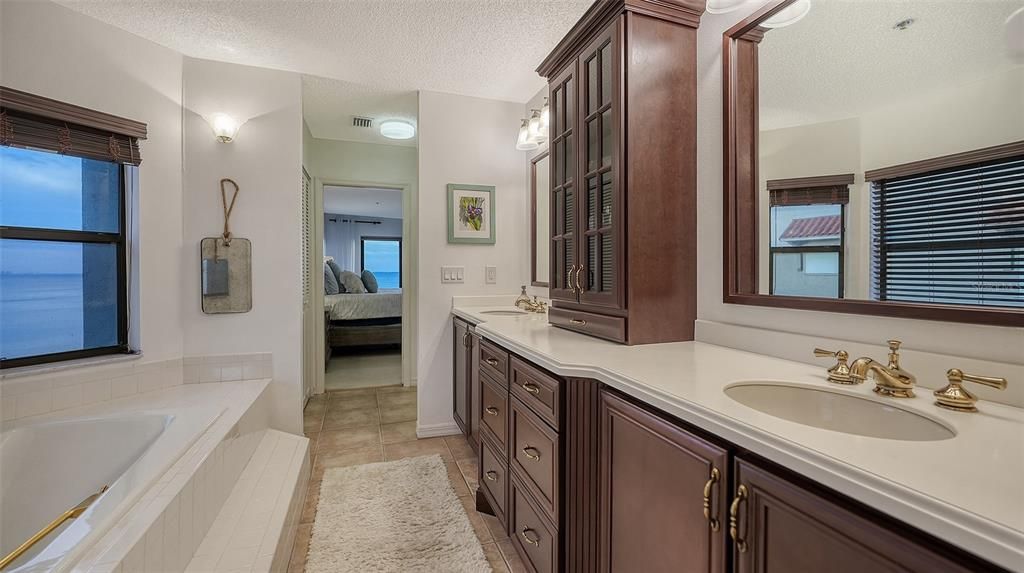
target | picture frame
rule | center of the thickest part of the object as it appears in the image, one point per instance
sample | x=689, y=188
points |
x=471, y=214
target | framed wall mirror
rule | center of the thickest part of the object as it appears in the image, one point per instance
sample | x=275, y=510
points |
x=541, y=220
x=874, y=160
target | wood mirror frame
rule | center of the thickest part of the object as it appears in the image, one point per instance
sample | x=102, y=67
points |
x=533, y=219
x=740, y=262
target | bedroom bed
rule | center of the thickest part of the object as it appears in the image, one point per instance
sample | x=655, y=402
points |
x=364, y=319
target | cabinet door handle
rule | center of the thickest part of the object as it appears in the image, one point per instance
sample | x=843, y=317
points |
x=578, y=321
x=734, y=509
x=532, y=453
x=713, y=521
x=535, y=541
x=568, y=279
x=465, y=340
x=531, y=388
x=491, y=410
x=578, y=286
x=491, y=475
x=491, y=361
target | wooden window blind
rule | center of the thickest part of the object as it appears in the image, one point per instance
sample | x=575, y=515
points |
x=35, y=122
x=825, y=190
x=951, y=233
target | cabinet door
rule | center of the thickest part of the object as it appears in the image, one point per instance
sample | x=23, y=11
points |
x=474, y=385
x=782, y=527
x=562, y=148
x=460, y=375
x=656, y=481
x=600, y=213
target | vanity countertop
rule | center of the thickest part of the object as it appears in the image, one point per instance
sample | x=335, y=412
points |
x=965, y=490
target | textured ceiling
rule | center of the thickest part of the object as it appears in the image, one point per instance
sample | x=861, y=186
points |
x=363, y=201
x=484, y=48
x=329, y=105
x=845, y=58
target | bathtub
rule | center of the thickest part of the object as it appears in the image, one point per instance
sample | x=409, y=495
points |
x=47, y=467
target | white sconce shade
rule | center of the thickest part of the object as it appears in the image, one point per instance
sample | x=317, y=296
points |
x=545, y=115
x=224, y=127
x=525, y=142
x=396, y=129
x=723, y=6
x=1015, y=36
x=538, y=131
x=789, y=15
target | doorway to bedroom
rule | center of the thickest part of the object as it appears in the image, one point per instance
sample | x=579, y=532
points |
x=363, y=280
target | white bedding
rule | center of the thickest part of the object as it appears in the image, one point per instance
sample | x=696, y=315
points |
x=385, y=303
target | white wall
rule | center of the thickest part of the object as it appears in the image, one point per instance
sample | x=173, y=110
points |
x=978, y=341
x=265, y=161
x=52, y=51
x=470, y=141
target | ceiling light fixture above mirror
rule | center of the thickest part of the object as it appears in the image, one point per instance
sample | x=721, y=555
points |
x=524, y=142
x=397, y=129
x=724, y=6
x=789, y=15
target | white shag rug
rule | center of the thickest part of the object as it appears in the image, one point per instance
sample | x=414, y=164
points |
x=392, y=516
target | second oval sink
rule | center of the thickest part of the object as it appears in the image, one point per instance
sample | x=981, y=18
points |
x=837, y=412
x=504, y=312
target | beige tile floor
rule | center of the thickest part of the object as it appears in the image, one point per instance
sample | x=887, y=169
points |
x=361, y=426
x=363, y=370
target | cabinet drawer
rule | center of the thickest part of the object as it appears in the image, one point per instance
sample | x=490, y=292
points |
x=609, y=327
x=494, y=361
x=534, y=456
x=494, y=410
x=494, y=479
x=537, y=389
x=534, y=540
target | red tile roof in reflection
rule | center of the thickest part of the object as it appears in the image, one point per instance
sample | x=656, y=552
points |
x=813, y=227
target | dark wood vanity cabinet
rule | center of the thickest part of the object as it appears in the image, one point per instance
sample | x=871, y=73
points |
x=623, y=172
x=663, y=494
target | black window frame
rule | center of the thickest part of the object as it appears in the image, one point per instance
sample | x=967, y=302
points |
x=119, y=240
x=362, y=253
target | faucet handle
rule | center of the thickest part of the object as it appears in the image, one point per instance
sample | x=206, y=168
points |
x=954, y=397
x=894, y=353
x=840, y=373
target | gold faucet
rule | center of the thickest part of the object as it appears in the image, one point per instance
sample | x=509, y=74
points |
x=524, y=302
x=954, y=397
x=890, y=380
x=840, y=372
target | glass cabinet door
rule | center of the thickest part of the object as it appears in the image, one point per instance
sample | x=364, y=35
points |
x=599, y=211
x=562, y=148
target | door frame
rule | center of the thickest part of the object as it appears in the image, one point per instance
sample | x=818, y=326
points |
x=410, y=270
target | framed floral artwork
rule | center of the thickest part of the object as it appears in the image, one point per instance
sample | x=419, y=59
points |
x=471, y=214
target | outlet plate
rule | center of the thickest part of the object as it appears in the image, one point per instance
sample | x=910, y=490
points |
x=491, y=274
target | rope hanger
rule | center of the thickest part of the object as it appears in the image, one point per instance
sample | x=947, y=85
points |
x=227, y=208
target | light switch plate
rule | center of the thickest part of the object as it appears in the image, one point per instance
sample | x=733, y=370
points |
x=491, y=274
x=453, y=274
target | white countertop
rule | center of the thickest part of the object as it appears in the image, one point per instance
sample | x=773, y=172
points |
x=966, y=490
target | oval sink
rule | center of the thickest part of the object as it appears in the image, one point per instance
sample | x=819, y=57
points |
x=838, y=412
x=503, y=312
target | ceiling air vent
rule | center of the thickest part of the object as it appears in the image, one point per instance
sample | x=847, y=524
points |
x=362, y=122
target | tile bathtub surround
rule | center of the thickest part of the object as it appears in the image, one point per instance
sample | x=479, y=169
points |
x=227, y=367
x=23, y=395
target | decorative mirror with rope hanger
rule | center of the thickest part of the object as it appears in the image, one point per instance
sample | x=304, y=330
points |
x=226, y=261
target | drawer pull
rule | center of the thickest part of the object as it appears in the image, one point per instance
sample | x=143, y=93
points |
x=491, y=410
x=734, y=509
x=713, y=521
x=532, y=453
x=531, y=388
x=535, y=541
x=491, y=475
x=578, y=321
x=491, y=361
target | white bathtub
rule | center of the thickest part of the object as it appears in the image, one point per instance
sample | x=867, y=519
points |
x=50, y=466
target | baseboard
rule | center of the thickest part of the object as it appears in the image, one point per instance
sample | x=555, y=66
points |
x=436, y=430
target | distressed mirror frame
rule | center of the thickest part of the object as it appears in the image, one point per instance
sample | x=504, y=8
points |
x=740, y=225
x=533, y=219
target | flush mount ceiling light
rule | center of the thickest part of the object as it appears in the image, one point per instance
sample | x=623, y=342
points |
x=224, y=127
x=524, y=142
x=538, y=129
x=789, y=15
x=397, y=129
x=723, y=6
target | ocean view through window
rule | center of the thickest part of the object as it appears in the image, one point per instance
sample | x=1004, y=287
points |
x=62, y=257
x=382, y=256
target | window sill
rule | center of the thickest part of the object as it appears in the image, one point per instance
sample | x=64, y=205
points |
x=53, y=367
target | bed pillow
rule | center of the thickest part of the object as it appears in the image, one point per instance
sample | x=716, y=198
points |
x=330, y=281
x=351, y=282
x=369, y=281
x=337, y=275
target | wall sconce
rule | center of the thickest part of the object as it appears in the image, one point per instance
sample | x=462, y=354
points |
x=545, y=115
x=224, y=127
x=538, y=130
x=724, y=6
x=525, y=142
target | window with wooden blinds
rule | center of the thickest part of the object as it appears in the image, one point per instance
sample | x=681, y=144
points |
x=953, y=234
